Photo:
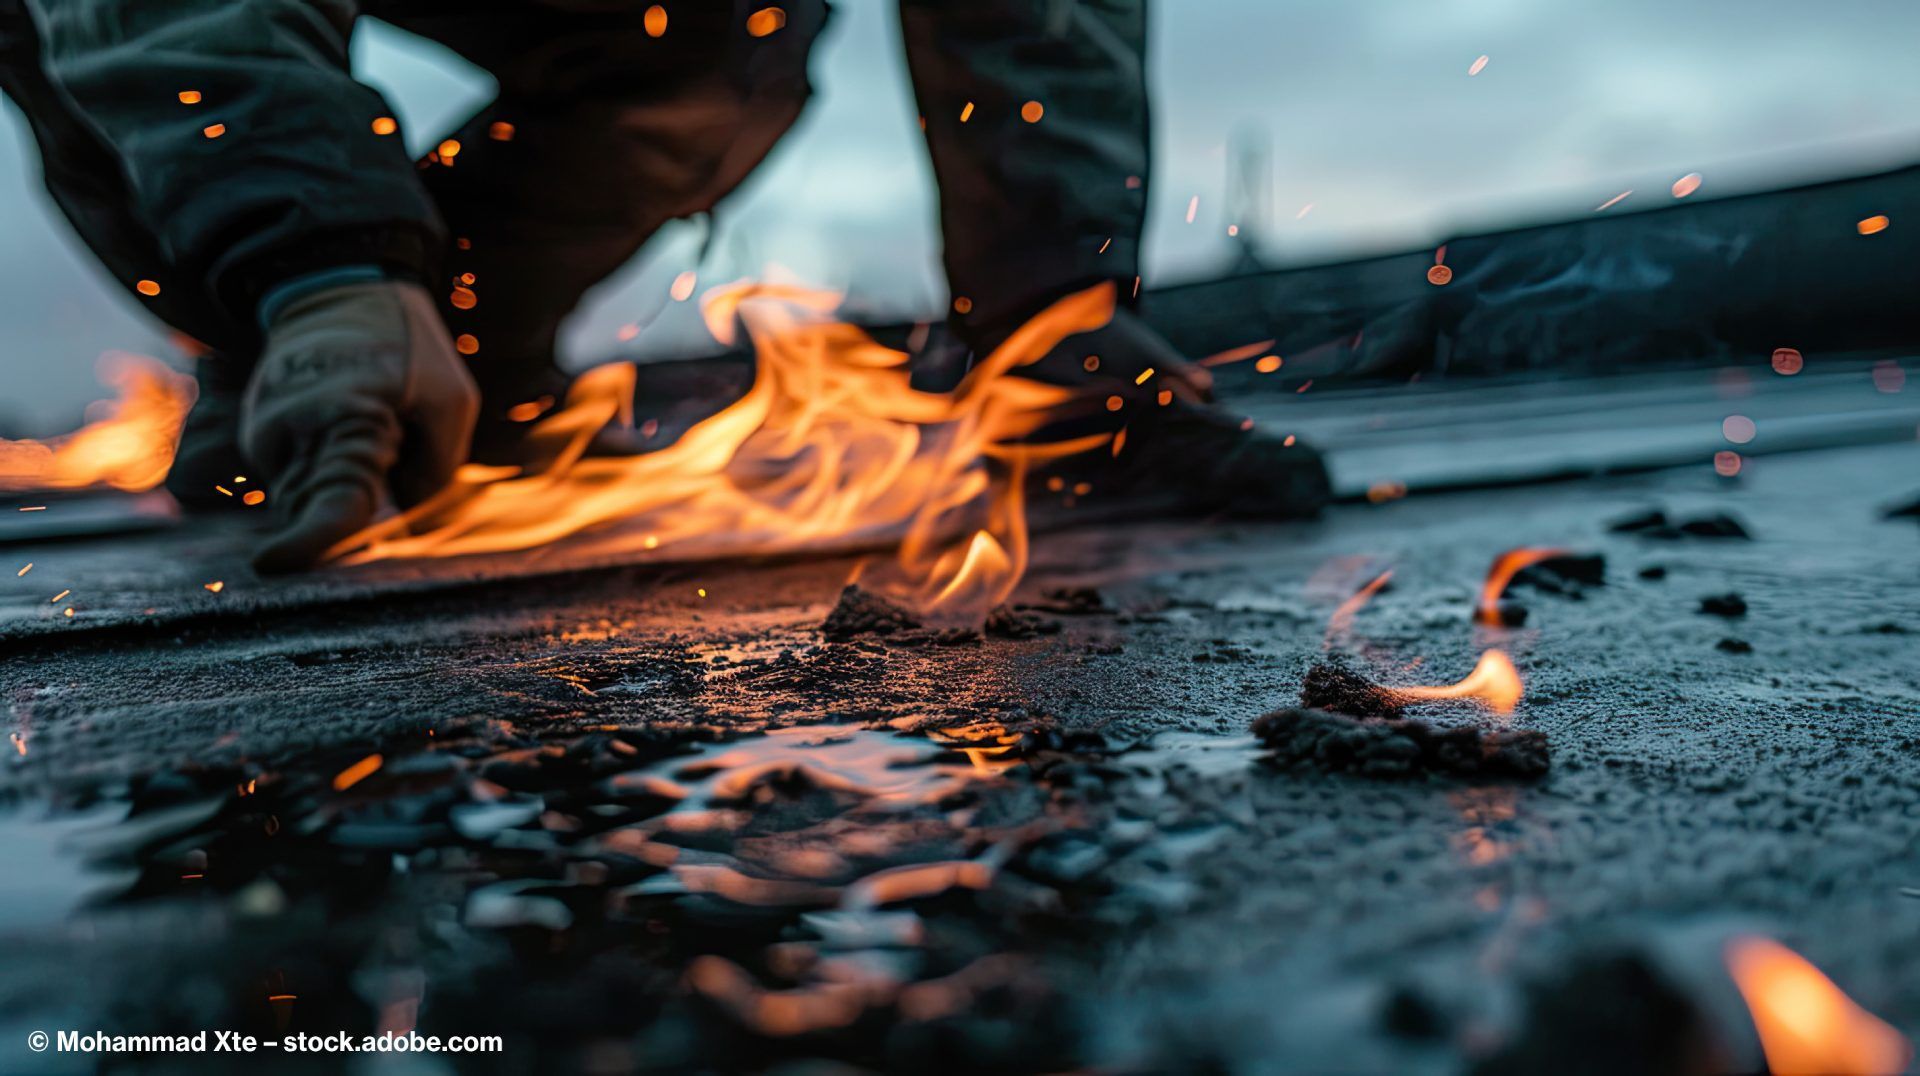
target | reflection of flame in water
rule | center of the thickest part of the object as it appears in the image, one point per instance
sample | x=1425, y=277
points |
x=830, y=443
x=127, y=442
x=1505, y=567
x=983, y=742
x=1494, y=681
x=895, y=800
x=1341, y=622
x=1805, y=1023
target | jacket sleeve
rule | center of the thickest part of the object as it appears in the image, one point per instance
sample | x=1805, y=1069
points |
x=249, y=150
x=1036, y=119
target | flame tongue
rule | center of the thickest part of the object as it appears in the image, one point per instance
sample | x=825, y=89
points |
x=1505, y=567
x=127, y=444
x=1494, y=682
x=830, y=443
x=1805, y=1023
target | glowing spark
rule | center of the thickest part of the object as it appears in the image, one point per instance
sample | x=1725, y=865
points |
x=55, y=600
x=1193, y=208
x=1145, y=376
x=1873, y=225
x=448, y=150
x=683, y=286
x=500, y=131
x=1686, y=184
x=215, y=587
x=1787, y=362
x=966, y=112
x=766, y=21
x=385, y=125
x=1268, y=364
x=1738, y=428
x=25, y=570
x=1613, y=201
x=463, y=298
x=467, y=344
x=1032, y=111
x=1238, y=354
x=1726, y=464
x=1304, y=210
x=189, y=97
x=254, y=497
x=655, y=21
x=214, y=130
x=1478, y=66
x=148, y=288
x=356, y=773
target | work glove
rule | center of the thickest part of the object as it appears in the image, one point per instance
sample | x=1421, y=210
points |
x=358, y=393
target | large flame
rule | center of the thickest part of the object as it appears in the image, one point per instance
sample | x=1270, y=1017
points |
x=1494, y=681
x=1805, y=1023
x=126, y=444
x=830, y=443
x=1505, y=567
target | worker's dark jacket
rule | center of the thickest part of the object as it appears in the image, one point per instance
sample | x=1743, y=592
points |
x=608, y=123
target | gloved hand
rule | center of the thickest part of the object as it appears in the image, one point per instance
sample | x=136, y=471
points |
x=358, y=391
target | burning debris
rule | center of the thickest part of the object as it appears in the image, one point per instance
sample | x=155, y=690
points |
x=1397, y=747
x=861, y=612
x=1332, y=685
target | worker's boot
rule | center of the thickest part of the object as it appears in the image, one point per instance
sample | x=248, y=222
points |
x=1166, y=447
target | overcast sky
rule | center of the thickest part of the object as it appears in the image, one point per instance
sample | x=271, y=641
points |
x=1366, y=108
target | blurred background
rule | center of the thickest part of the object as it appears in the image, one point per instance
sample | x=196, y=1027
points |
x=1323, y=129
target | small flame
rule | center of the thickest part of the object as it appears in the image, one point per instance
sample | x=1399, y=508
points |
x=1807, y=1024
x=1494, y=682
x=1341, y=622
x=127, y=443
x=1505, y=567
x=831, y=443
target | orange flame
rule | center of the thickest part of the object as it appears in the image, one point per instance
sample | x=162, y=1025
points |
x=1494, y=682
x=1505, y=567
x=1805, y=1023
x=127, y=442
x=830, y=444
x=1341, y=622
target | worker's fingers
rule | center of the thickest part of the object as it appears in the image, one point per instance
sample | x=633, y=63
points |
x=325, y=518
x=439, y=417
x=331, y=484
